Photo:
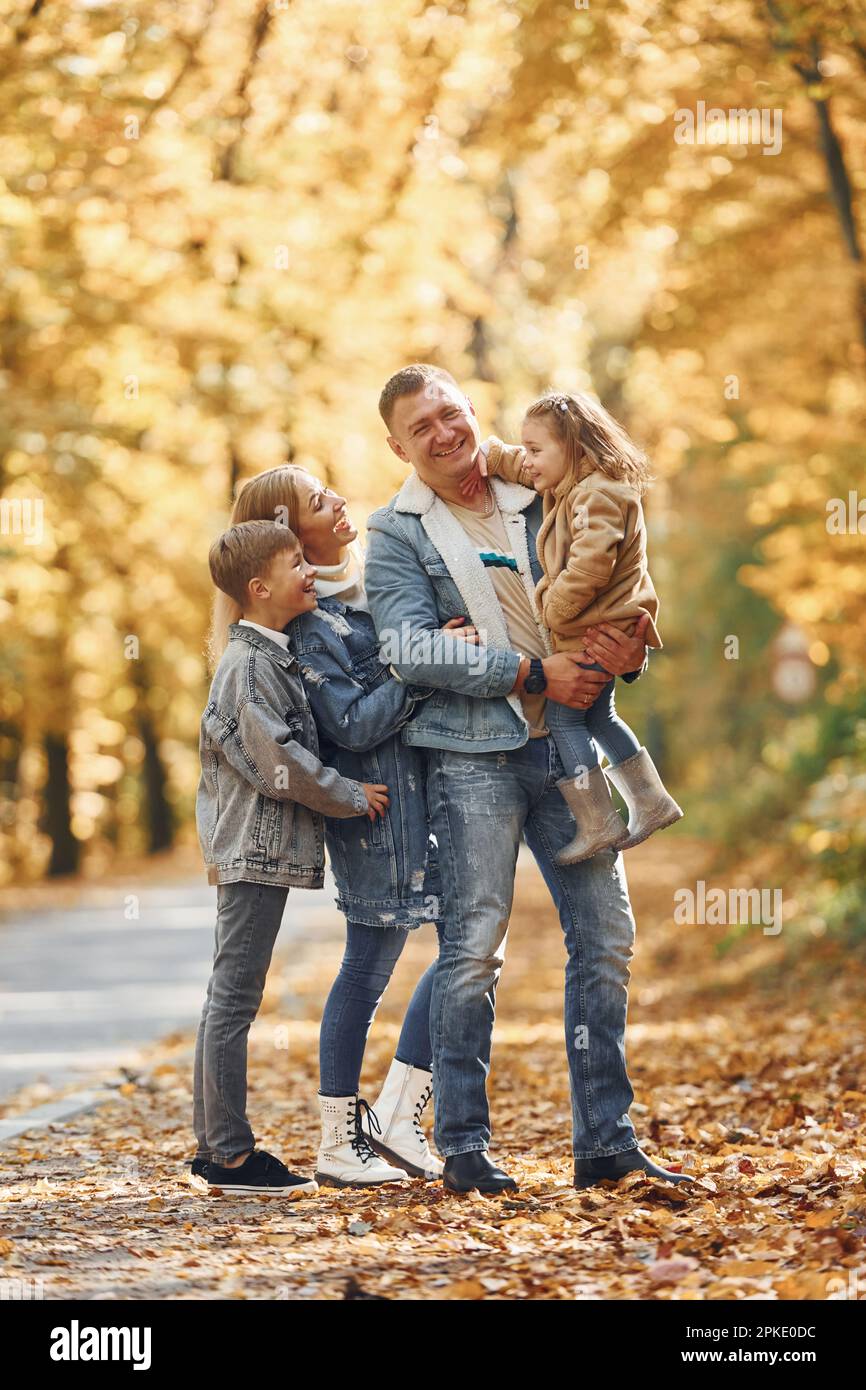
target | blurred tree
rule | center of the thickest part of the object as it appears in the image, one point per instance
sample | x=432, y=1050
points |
x=226, y=224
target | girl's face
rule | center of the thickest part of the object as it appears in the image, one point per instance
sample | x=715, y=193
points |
x=545, y=454
x=323, y=526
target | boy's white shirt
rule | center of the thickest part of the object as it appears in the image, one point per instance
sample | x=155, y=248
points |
x=280, y=637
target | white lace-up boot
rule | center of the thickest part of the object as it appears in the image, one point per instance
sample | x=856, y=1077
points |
x=345, y=1156
x=404, y=1098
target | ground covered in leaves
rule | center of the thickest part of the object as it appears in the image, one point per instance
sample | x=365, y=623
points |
x=748, y=1062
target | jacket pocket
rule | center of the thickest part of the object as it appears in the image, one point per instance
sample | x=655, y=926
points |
x=268, y=827
x=376, y=831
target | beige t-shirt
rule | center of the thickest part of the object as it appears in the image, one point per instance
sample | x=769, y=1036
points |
x=488, y=534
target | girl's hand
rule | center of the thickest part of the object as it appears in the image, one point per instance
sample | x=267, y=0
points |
x=474, y=481
x=453, y=626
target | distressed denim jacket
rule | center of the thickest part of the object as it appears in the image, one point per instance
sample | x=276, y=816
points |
x=263, y=790
x=422, y=569
x=386, y=871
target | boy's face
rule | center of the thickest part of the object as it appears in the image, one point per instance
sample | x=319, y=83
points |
x=286, y=590
x=436, y=431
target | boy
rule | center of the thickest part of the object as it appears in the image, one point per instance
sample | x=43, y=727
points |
x=261, y=798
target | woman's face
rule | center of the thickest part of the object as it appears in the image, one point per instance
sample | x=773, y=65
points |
x=323, y=525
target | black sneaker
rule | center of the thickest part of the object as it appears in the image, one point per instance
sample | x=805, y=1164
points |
x=197, y=1175
x=262, y=1174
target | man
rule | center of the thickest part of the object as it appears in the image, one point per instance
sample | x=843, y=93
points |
x=434, y=554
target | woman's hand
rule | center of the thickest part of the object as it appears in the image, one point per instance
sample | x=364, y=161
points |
x=475, y=480
x=453, y=626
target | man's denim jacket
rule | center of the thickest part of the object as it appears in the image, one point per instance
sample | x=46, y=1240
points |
x=422, y=569
x=263, y=790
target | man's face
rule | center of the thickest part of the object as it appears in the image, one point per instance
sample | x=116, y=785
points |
x=436, y=431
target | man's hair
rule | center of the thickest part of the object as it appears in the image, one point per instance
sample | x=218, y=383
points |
x=407, y=382
x=245, y=551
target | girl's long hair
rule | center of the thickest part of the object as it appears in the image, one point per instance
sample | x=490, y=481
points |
x=583, y=425
x=270, y=496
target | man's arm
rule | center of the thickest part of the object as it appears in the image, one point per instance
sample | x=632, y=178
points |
x=403, y=606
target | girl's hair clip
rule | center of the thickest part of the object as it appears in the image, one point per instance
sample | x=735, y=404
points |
x=561, y=403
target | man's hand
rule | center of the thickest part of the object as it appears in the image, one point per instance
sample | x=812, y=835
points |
x=568, y=683
x=618, y=652
x=474, y=481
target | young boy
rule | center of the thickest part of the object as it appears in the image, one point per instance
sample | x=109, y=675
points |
x=261, y=799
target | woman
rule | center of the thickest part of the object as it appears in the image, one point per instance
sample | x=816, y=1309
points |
x=386, y=871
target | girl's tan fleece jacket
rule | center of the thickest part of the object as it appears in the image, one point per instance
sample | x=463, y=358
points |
x=591, y=545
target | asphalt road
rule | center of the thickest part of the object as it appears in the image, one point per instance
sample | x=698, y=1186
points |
x=82, y=989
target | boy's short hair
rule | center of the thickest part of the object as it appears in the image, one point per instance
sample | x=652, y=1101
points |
x=247, y=550
x=406, y=382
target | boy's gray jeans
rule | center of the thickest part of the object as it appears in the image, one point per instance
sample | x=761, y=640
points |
x=248, y=919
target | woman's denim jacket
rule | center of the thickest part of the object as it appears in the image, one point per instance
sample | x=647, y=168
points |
x=263, y=791
x=386, y=871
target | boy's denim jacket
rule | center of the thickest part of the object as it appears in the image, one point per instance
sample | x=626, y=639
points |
x=386, y=871
x=422, y=569
x=263, y=791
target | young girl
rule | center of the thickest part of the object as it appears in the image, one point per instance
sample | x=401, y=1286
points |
x=591, y=545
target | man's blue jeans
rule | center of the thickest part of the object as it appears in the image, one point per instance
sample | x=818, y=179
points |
x=479, y=805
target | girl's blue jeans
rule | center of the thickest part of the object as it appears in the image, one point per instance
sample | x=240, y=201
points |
x=368, y=963
x=576, y=732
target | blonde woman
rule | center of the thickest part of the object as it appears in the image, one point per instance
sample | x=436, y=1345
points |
x=386, y=873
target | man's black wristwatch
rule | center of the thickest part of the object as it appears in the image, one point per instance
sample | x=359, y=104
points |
x=536, y=681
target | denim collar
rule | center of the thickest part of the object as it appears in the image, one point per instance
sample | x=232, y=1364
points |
x=277, y=654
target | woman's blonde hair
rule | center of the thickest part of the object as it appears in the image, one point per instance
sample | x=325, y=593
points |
x=584, y=426
x=270, y=496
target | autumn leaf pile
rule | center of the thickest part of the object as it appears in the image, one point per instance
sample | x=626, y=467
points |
x=749, y=1071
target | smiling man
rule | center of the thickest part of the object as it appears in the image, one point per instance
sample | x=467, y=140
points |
x=432, y=555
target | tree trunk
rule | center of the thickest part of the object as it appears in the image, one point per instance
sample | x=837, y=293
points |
x=65, y=849
x=160, y=818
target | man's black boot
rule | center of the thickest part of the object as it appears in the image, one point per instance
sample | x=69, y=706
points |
x=466, y=1172
x=589, y=1171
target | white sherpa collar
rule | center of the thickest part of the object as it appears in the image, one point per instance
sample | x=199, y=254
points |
x=418, y=497
x=464, y=565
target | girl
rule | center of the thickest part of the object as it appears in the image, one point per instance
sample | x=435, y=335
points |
x=592, y=547
x=386, y=873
